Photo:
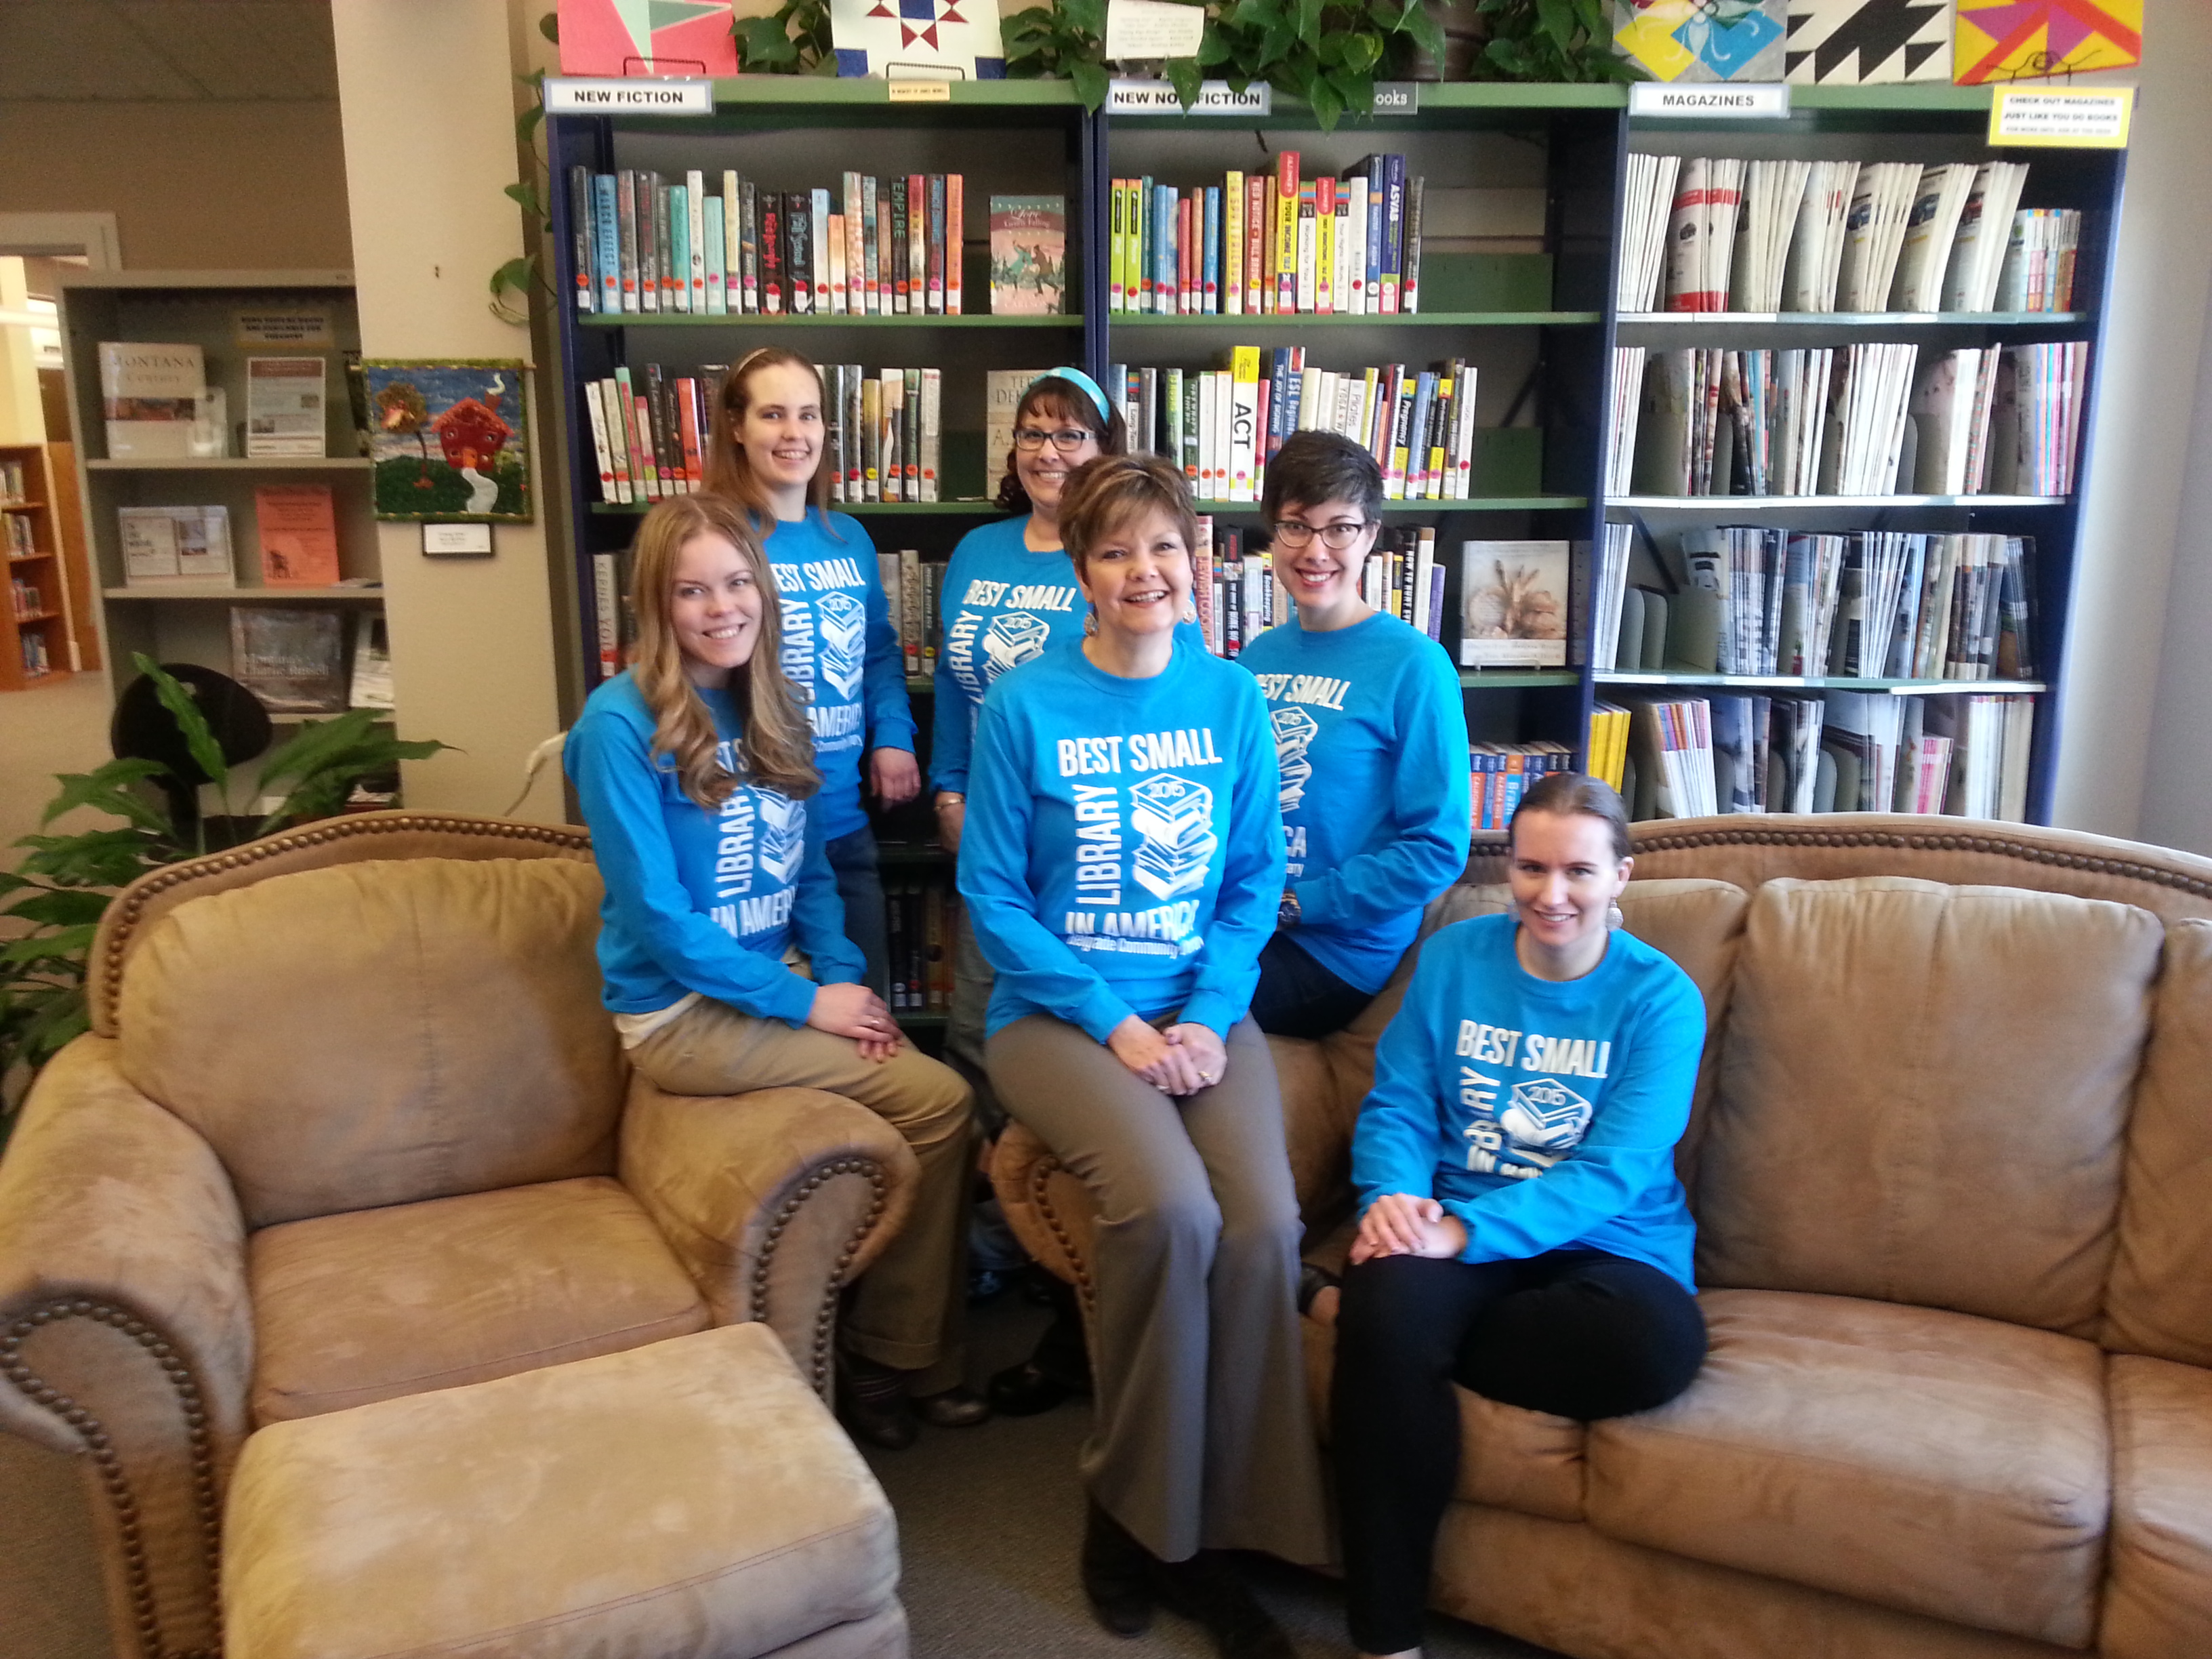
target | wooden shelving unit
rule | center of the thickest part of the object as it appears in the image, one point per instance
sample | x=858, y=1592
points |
x=43, y=644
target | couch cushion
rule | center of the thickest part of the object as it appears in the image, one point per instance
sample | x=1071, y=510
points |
x=1316, y=1129
x=1923, y=1091
x=1930, y=1462
x=2158, y=1602
x=349, y=1309
x=384, y=1032
x=690, y=1498
x=2159, y=1300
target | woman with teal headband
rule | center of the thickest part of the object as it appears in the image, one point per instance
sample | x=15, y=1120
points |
x=1009, y=595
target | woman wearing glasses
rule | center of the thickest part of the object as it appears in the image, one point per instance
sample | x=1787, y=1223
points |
x=1121, y=865
x=1372, y=736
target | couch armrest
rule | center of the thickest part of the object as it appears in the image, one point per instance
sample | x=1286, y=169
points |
x=1045, y=1206
x=773, y=1200
x=126, y=1332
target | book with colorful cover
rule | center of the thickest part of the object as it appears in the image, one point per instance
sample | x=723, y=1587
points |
x=1029, y=255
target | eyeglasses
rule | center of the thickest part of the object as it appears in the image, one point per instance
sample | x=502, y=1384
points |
x=1067, y=440
x=1292, y=533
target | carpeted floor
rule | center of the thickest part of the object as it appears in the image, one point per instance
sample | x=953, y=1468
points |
x=988, y=1517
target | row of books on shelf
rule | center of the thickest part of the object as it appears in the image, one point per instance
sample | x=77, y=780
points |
x=649, y=431
x=880, y=248
x=25, y=596
x=1709, y=233
x=1499, y=773
x=38, y=661
x=14, y=484
x=296, y=524
x=1865, y=605
x=920, y=917
x=156, y=403
x=295, y=662
x=1862, y=419
x=1223, y=426
x=1261, y=243
x=22, y=542
x=1842, y=751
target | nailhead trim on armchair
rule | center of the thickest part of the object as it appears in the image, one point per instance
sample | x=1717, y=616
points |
x=825, y=1319
x=144, y=1615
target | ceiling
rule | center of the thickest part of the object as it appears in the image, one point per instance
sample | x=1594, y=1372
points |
x=167, y=52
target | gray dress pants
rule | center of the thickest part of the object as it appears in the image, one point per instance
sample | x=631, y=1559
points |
x=1202, y=1438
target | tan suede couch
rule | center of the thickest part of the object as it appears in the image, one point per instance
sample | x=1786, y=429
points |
x=1951, y=1160
x=351, y=1125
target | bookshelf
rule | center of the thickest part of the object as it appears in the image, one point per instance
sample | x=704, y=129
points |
x=43, y=643
x=1521, y=229
x=186, y=621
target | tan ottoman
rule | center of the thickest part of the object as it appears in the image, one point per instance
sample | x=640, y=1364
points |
x=692, y=1499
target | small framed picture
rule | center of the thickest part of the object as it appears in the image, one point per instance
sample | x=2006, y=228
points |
x=449, y=439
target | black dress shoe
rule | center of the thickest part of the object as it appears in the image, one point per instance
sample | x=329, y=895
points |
x=1023, y=1391
x=870, y=1414
x=1203, y=1588
x=953, y=1408
x=1117, y=1575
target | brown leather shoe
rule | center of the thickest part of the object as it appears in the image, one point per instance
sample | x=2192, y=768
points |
x=954, y=1408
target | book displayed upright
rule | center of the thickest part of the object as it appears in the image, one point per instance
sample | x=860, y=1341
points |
x=148, y=394
x=1513, y=608
x=1029, y=255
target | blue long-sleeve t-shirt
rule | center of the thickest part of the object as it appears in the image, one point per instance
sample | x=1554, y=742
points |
x=1542, y=1114
x=1000, y=606
x=840, y=650
x=1371, y=738
x=701, y=900
x=1123, y=852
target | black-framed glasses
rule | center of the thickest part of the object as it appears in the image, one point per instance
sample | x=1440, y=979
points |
x=1292, y=533
x=1069, y=439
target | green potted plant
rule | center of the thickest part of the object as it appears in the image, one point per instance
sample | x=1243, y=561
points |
x=1550, y=40
x=56, y=896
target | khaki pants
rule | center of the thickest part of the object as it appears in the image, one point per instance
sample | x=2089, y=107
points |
x=909, y=1309
x=1202, y=1438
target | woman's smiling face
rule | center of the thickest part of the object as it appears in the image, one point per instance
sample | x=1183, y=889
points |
x=1138, y=575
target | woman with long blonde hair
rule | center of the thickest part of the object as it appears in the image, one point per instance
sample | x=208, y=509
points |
x=768, y=453
x=722, y=941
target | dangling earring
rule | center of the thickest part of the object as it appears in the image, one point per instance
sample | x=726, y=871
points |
x=1614, y=919
x=1090, y=623
x=1189, y=609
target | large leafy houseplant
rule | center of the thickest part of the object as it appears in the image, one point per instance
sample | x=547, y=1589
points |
x=1326, y=51
x=1550, y=40
x=56, y=896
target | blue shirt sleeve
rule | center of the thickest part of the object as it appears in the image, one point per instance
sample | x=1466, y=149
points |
x=883, y=677
x=1397, y=1141
x=994, y=879
x=620, y=791
x=818, y=917
x=1429, y=809
x=1251, y=893
x=1630, y=1147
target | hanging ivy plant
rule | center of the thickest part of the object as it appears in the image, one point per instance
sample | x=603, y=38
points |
x=1551, y=40
x=1326, y=51
x=792, y=39
x=1065, y=40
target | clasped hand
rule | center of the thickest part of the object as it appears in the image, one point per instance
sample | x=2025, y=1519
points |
x=1180, y=1060
x=1400, y=1224
x=856, y=1012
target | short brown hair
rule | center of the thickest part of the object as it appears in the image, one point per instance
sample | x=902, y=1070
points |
x=1565, y=795
x=1102, y=495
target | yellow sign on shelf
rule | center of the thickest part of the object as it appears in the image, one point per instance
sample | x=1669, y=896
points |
x=2074, y=117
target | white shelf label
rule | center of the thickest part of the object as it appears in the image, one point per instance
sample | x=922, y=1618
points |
x=457, y=541
x=2079, y=117
x=639, y=95
x=1214, y=97
x=1397, y=98
x=1153, y=29
x=1754, y=101
x=920, y=90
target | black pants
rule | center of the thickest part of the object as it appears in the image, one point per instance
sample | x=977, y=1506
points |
x=1577, y=1333
x=1299, y=997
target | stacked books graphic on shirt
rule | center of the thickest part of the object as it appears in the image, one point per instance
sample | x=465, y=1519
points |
x=1544, y=1120
x=1175, y=818
x=1014, y=637
x=842, y=650
x=782, y=836
x=1294, y=730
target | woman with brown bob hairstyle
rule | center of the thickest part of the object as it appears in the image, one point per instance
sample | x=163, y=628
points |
x=722, y=939
x=1121, y=861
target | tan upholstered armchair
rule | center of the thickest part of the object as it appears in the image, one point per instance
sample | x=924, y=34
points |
x=351, y=1124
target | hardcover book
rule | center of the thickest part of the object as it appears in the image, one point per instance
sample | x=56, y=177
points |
x=1513, y=614
x=1029, y=255
x=149, y=394
x=299, y=535
x=293, y=660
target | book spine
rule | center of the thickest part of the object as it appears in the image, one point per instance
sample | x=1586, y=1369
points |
x=1243, y=416
x=694, y=204
x=870, y=440
x=1114, y=245
x=955, y=241
x=609, y=487
x=898, y=228
x=1233, y=244
x=1253, y=250
x=637, y=424
x=840, y=295
x=607, y=225
x=610, y=396
x=1304, y=291
x=917, y=243
x=770, y=253
x=1210, y=291
x=648, y=260
x=1378, y=211
x=934, y=271
x=1402, y=421
x=823, y=247
x=679, y=247
x=1286, y=231
x=872, y=264
x=1186, y=268
x=626, y=200
x=606, y=607
x=911, y=438
x=748, y=247
x=1394, y=230
x=856, y=271
x=907, y=608
x=686, y=392
x=1324, y=285
x=667, y=199
x=799, y=251
x=733, y=255
x=932, y=401
x=1409, y=282
x=582, y=240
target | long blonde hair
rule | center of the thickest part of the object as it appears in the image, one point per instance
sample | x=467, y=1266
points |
x=777, y=749
x=729, y=471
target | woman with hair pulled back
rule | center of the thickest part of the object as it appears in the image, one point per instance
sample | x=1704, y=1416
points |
x=1121, y=860
x=767, y=452
x=696, y=774
x=1522, y=1231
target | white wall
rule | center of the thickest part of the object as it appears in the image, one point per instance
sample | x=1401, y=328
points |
x=2146, y=411
x=2176, y=799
